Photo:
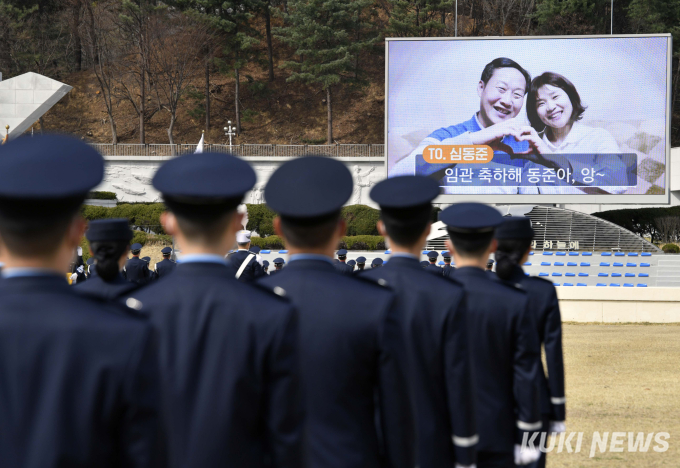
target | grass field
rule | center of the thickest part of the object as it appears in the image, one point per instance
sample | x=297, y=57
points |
x=621, y=378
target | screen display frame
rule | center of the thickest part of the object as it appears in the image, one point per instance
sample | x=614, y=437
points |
x=641, y=199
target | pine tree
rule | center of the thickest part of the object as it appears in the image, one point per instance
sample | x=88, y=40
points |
x=327, y=36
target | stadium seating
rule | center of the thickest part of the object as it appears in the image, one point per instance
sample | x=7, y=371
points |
x=560, y=254
x=568, y=284
x=585, y=264
x=641, y=285
x=600, y=284
x=617, y=264
x=265, y=252
x=606, y=254
x=616, y=285
x=628, y=285
x=570, y=274
x=573, y=254
x=643, y=275
x=616, y=275
x=527, y=264
x=619, y=254
x=581, y=284
x=644, y=264
x=547, y=253
x=604, y=264
x=572, y=264
x=583, y=274
x=630, y=275
x=631, y=265
x=603, y=274
x=556, y=273
x=559, y=263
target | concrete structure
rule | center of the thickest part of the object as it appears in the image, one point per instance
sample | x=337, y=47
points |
x=26, y=98
x=600, y=305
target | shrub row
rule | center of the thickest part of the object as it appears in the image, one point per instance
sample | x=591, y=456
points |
x=137, y=237
x=102, y=195
x=144, y=216
x=671, y=248
x=348, y=242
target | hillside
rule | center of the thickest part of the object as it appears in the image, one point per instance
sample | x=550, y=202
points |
x=277, y=112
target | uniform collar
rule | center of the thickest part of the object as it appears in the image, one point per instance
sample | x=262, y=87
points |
x=403, y=260
x=303, y=256
x=470, y=271
x=203, y=258
x=19, y=272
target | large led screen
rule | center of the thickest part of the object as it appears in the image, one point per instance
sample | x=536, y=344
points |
x=548, y=119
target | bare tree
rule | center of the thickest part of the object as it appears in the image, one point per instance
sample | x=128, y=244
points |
x=668, y=227
x=101, y=42
x=175, y=58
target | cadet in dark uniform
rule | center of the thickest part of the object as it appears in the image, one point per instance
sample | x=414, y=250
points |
x=341, y=266
x=79, y=276
x=79, y=383
x=278, y=265
x=448, y=269
x=514, y=244
x=136, y=270
x=91, y=271
x=377, y=262
x=432, y=266
x=357, y=404
x=433, y=317
x=424, y=264
x=352, y=264
x=502, y=337
x=109, y=244
x=229, y=359
x=165, y=266
x=245, y=261
x=361, y=264
x=265, y=266
x=489, y=265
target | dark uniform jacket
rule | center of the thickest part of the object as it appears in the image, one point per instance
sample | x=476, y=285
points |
x=78, y=380
x=108, y=291
x=546, y=310
x=433, y=316
x=137, y=271
x=357, y=402
x=434, y=269
x=447, y=271
x=253, y=271
x=343, y=268
x=164, y=268
x=229, y=365
x=505, y=356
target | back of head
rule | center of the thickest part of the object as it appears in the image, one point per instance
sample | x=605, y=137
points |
x=471, y=227
x=203, y=191
x=405, y=206
x=308, y=194
x=514, y=240
x=39, y=195
x=109, y=241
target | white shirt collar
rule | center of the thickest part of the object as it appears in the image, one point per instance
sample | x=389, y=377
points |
x=575, y=135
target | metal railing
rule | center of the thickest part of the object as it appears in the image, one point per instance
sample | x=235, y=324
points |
x=278, y=151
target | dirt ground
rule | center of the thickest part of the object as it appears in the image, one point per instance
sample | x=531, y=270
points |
x=621, y=378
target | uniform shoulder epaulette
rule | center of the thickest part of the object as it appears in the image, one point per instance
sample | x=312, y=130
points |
x=374, y=281
x=277, y=291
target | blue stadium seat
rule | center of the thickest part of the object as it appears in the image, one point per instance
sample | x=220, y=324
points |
x=600, y=284
x=583, y=274
x=387, y=252
x=556, y=284
x=606, y=254
x=440, y=262
x=572, y=264
x=616, y=285
x=646, y=254
x=547, y=253
x=545, y=263
x=568, y=284
x=587, y=254
x=616, y=264
x=628, y=285
x=616, y=275
x=585, y=264
x=559, y=263
x=425, y=252
x=641, y=285
x=604, y=264
x=265, y=251
x=630, y=275
x=560, y=254
x=632, y=254
x=573, y=254
x=619, y=254
x=644, y=264
x=570, y=274
x=581, y=284
x=556, y=273
x=644, y=275
x=527, y=264
x=603, y=274
x=543, y=274
x=283, y=251
x=631, y=265
x=531, y=253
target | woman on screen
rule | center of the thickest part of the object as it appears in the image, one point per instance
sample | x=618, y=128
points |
x=554, y=110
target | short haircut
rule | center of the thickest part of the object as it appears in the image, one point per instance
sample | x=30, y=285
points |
x=242, y=244
x=36, y=229
x=405, y=227
x=558, y=81
x=309, y=233
x=503, y=62
x=472, y=244
x=204, y=231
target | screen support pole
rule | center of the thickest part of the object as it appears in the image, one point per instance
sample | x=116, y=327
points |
x=611, y=22
x=456, y=29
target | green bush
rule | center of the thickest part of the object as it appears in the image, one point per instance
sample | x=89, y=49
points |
x=102, y=196
x=145, y=216
x=270, y=242
x=260, y=219
x=139, y=237
x=361, y=220
x=362, y=243
x=671, y=248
